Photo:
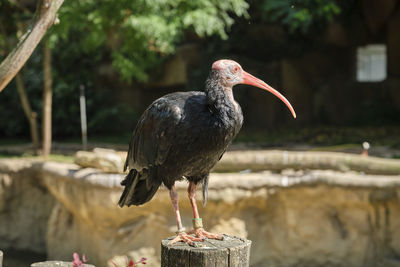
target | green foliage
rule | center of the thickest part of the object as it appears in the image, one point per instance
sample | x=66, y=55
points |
x=139, y=33
x=300, y=15
x=134, y=35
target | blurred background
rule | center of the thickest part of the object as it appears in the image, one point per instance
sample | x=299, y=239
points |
x=337, y=62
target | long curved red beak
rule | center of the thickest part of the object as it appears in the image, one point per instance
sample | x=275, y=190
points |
x=251, y=80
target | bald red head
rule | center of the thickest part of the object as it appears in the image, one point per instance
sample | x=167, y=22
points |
x=232, y=73
x=223, y=64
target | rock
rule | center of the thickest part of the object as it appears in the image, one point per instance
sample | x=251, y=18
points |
x=259, y=160
x=106, y=160
x=297, y=218
x=231, y=226
x=278, y=160
x=25, y=206
x=13, y=166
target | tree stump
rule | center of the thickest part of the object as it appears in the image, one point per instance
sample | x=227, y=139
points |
x=231, y=251
x=55, y=264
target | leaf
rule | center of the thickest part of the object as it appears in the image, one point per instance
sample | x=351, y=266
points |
x=139, y=34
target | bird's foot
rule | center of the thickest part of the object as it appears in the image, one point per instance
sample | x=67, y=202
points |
x=198, y=234
x=199, y=231
x=187, y=238
x=203, y=234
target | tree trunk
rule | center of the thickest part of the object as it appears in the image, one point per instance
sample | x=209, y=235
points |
x=47, y=99
x=30, y=115
x=45, y=15
x=232, y=251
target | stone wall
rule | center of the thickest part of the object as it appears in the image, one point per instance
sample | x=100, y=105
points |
x=25, y=205
x=294, y=218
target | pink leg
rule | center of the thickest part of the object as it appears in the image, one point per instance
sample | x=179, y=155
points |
x=192, y=197
x=197, y=221
x=174, y=199
x=181, y=234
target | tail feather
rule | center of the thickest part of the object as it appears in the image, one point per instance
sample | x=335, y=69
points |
x=140, y=188
x=205, y=190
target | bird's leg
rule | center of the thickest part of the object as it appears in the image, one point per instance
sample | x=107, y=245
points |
x=181, y=234
x=197, y=221
x=174, y=199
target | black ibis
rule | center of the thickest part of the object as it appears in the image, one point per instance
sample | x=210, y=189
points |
x=183, y=135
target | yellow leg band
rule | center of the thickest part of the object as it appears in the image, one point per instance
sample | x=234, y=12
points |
x=197, y=223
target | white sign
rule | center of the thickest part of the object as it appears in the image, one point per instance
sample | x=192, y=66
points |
x=371, y=63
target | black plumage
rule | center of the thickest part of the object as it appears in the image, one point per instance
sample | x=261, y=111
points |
x=183, y=135
x=180, y=135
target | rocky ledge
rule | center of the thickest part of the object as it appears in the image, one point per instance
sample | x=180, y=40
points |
x=305, y=217
x=112, y=161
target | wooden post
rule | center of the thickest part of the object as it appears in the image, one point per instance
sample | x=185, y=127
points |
x=82, y=104
x=1, y=258
x=232, y=251
x=47, y=100
x=56, y=263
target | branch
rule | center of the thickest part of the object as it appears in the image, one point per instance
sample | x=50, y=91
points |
x=45, y=15
x=31, y=116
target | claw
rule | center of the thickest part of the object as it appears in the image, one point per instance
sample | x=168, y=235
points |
x=187, y=238
x=199, y=236
x=201, y=233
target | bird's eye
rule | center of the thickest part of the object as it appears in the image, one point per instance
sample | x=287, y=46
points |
x=235, y=69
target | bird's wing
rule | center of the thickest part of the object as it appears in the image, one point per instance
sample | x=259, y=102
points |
x=153, y=135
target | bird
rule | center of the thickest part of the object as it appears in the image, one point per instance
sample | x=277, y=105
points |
x=182, y=135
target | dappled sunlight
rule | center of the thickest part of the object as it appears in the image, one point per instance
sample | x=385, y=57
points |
x=155, y=105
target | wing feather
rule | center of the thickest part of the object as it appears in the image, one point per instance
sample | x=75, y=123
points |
x=153, y=135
